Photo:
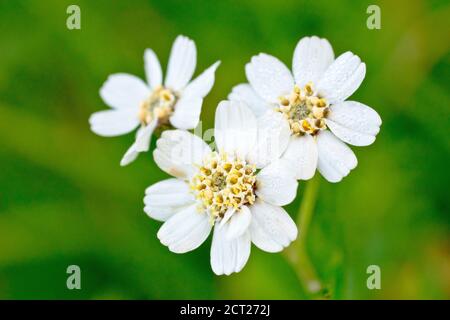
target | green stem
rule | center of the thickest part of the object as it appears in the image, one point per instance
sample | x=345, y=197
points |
x=297, y=253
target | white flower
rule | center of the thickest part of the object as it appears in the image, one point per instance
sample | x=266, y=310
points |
x=222, y=190
x=312, y=100
x=178, y=102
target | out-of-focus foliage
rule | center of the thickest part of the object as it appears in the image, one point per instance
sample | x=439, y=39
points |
x=65, y=200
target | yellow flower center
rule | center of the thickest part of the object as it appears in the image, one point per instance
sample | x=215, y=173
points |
x=224, y=182
x=304, y=110
x=159, y=105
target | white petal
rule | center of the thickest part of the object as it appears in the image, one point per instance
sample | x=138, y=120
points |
x=141, y=144
x=336, y=159
x=272, y=140
x=312, y=56
x=302, y=154
x=271, y=229
x=342, y=78
x=123, y=90
x=244, y=92
x=143, y=136
x=228, y=256
x=226, y=217
x=276, y=185
x=354, y=123
x=269, y=77
x=109, y=123
x=186, y=230
x=187, y=113
x=182, y=61
x=153, y=70
x=165, y=198
x=177, y=152
x=201, y=86
x=235, y=128
x=238, y=223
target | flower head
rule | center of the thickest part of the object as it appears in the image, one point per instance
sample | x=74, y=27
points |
x=149, y=105
x=231, y=190
x=313, y=104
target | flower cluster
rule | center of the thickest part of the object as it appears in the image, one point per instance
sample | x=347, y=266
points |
x=271, y=132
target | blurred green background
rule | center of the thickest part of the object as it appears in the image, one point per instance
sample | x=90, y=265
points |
x=65, y=200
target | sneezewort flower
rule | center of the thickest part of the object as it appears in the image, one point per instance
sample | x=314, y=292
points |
x=230, y=190
x=149, y=105
x=317, y=119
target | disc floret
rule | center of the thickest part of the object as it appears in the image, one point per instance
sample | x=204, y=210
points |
x=224, y=182
x=159, y=105
x=305, y=111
